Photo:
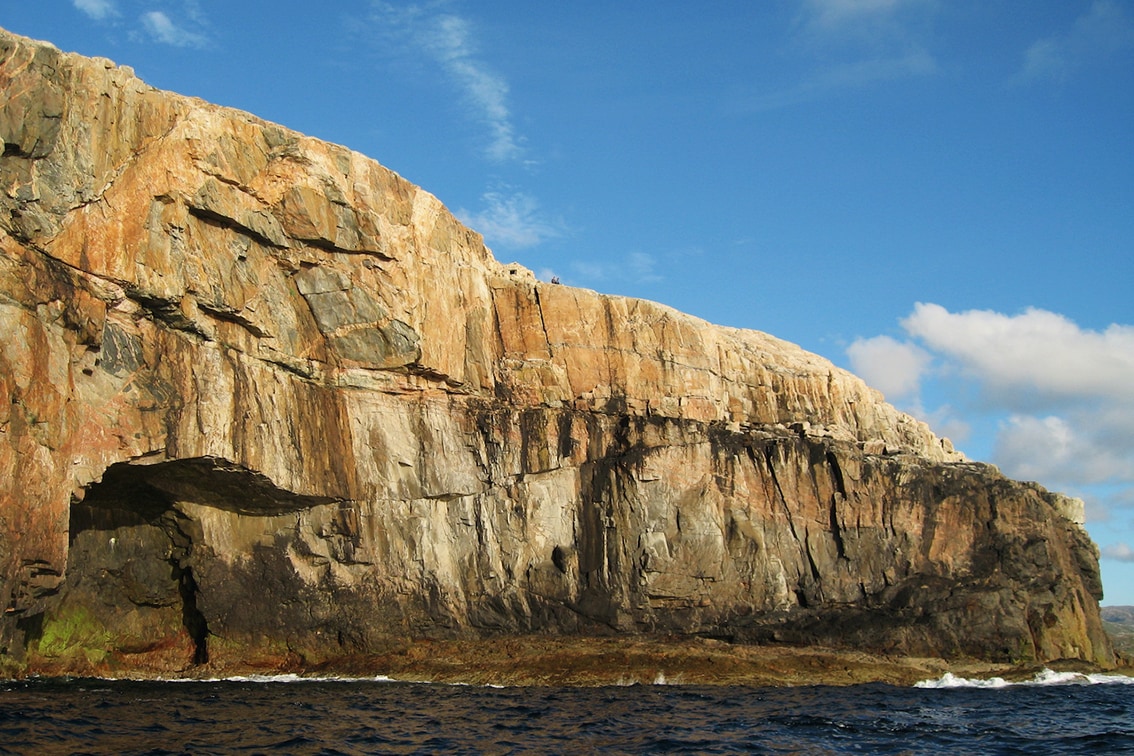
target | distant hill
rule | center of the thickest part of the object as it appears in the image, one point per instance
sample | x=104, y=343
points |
x=1119, y=623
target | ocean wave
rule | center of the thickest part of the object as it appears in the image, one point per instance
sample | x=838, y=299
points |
x=280, y=678
x=294, y=678
x=1043, y=677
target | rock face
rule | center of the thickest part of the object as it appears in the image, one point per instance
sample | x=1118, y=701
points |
x=265, y=401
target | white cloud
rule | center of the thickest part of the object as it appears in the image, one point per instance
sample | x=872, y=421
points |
x=893, y=367
x=852, y=74
x=1059, y=398
x=162, y=29
x=99, y=10
x=1034, y=352
x=1066, y=449
x=427, y=32
x=512, y=221
x=1120, y=552
x=943, y=420
x=192, y=9
x=448, y=40
x=1103, y=30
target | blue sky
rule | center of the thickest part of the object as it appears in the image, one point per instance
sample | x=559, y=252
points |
x=936, y=194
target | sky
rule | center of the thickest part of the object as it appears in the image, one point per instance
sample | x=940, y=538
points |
x=935, y=194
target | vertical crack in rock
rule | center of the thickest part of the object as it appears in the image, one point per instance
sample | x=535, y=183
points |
x=782, y=499
x=839, y=494
x=195, y=622
x=836, y=474
x=542, y=322
x=180, y=559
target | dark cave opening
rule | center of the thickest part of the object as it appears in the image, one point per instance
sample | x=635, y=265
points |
x=176, y=526
x=194, y=621
x=130, y=548
x=138, y=560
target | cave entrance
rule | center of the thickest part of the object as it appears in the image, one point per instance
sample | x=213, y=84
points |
x=143, y=577
x=130, y=565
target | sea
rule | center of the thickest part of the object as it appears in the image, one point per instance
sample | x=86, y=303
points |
x=1055, y=713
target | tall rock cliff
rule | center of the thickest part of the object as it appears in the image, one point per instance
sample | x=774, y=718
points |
x=264, y=398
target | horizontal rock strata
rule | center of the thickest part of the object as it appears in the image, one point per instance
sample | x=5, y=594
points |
x=266, y=402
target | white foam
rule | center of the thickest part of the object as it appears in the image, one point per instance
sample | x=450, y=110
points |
x=949, y=680
x=294, y=678
x=283, y=678
x=1043, y=677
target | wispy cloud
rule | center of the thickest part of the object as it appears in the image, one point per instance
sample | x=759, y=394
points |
x=860, y=42
x=99, y=10
x=633, y=268
x=512, y=221
x=449, y=41
x=860, y=73
x=1120, y=552
x=161, y=28
x=1064, y=395
x=868, y=20
x=429, y=33
x=642, y=267
x=1105, y=29
x=851, y=44
x=185, y=28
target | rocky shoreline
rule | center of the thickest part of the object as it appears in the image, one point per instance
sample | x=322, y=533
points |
x=675, y=661
x=606, y=661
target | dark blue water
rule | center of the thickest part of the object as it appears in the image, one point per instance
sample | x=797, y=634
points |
x=97, y=717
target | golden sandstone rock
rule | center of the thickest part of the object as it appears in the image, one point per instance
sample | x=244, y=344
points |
x=267, y=403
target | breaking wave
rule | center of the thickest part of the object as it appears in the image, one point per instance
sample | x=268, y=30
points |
x=281, y=678
x=1043, y=677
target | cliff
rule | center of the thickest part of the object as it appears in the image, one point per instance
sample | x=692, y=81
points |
x=266, y=402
